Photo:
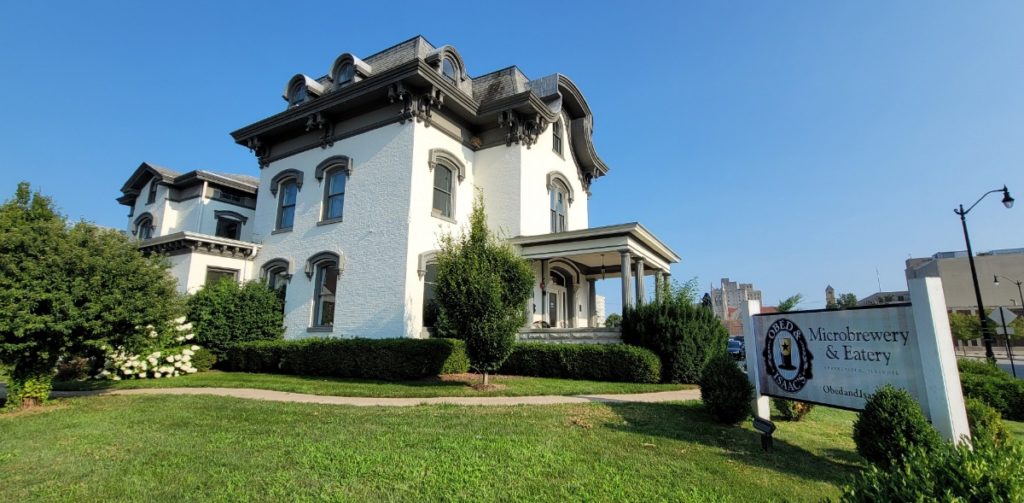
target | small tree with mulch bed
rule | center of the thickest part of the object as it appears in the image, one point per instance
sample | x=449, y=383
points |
x=482, y=285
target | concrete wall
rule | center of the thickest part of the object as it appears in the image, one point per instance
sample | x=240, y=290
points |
x=959, y=288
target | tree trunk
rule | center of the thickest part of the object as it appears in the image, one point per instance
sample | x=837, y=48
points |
x=29, y=387
x=486, y=380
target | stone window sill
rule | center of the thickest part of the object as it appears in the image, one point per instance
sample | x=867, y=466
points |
x=320, y=329
x=330, y=221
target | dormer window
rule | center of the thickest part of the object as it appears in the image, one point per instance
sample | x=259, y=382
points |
x=345, y=74
x=448, y=69
x=297, y=94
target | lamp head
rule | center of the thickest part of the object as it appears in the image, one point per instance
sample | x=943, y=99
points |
x=1007, y=200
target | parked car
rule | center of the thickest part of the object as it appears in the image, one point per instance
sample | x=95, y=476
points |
x=736, y=348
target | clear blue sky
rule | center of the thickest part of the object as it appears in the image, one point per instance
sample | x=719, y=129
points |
x=789, y=144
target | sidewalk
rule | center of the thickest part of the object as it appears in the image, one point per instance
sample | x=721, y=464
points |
x=281, y=396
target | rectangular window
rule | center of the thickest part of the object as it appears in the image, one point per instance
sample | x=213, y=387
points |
x=556, y=137
x=442, y=191
x=334, y=197
x=326, y=287
x=286, y=205
x=215, y=274
x=228, y=228
x=152, y=192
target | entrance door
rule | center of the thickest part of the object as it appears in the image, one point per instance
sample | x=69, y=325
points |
x=553, y=309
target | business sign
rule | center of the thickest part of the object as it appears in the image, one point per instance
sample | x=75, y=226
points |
x=840, y=357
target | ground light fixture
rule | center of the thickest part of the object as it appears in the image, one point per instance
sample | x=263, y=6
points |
x=1008, y=202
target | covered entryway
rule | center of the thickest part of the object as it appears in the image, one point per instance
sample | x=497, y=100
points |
x=568, y=265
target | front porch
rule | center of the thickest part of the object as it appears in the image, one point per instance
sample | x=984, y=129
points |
x=568, y=266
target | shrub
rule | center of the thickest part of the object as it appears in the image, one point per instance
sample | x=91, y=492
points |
x=225, y=313
x=1001, y=391
x=66, y=290
x=597, y=362
x=792, y=410
x=685, y=336
x=725, y=390
x=482, y=285
x=946, y=473
x=74, y=368
x=976, y=367
x=203, y=360
x=890, y=425
x=986, y=423
x=385, y=359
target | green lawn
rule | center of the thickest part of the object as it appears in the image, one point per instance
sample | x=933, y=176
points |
x=514, y=386
x=200, y=448
x=1016, y=428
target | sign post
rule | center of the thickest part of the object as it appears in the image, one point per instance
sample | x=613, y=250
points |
x=840, y=357
x=1005, y=316
x=748, y=309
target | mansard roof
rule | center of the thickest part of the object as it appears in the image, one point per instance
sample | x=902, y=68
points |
x=411, y=72
x=147, y=171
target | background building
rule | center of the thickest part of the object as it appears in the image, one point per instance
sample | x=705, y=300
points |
x=727, y=300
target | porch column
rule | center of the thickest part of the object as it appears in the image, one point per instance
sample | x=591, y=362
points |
x=543, y=291
x=627, y=266
x=641, y=294
x=592, y=302
x=659, y=285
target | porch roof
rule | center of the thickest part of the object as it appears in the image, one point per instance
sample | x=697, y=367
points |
x=597, y=248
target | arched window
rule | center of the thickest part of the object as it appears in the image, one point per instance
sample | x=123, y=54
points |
x=326, y=272
x=287, y=195
x=449, y=70
x=430, y=309
x=229, y=224
x=444, y=199
x=559, y=206
x=297, y=94
x=144, y=226
x=556, y=137
x=345, y=74
x=334, y=193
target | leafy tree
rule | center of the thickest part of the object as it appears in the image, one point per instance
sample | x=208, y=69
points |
x=224, y=313
x=613, y=320
x=482, y=288
x=846, y=301
x=790, y=303
x=965, y=327
x=67, y=291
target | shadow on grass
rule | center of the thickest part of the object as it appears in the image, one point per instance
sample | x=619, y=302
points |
x=688, y=422
x=215, y=378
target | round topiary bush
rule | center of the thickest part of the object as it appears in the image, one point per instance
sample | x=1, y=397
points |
x=203, y=360
x=890, y=425
x=725, y=390
x=792, y=410
x=986, y=423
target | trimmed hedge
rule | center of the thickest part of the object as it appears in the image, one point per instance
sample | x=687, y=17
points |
x=891, y=425
x=384, y=359
x=685, y=336
x=990, y=384
x=593, y=362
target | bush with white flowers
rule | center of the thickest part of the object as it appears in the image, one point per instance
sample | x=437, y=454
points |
x=169, y=355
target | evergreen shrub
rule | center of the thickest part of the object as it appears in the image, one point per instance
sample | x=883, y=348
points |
x=792, y=410
x=725, y=390
x=986, y=423
x=890, y=425
x=596, y=362
x=384, y=359
x=990, y=384
x=684, y=335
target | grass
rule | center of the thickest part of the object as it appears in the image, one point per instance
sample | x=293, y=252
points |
x=1016, y=428
x=513, y=385
x=199, y=448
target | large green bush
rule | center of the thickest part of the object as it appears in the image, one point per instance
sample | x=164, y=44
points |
x=385, y=359
x=482, y=286
x=990, y=384
x=597, y=362
x=225, y=313
x=986, y=423
x=984, y=473
x=69, y=291
x=725, y=390
x=684, y=335
x=890, y=425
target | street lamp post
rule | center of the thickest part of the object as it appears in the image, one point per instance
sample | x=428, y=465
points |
x=1020, y=293
x=1008, y=202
